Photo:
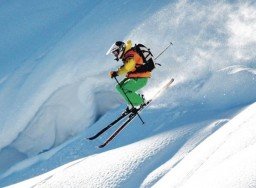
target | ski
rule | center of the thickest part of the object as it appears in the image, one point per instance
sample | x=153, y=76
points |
x=163, y=88
x=133, y=115
x=117, y=131
x=123, y=115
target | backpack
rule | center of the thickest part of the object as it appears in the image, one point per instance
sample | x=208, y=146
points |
x=147, y=57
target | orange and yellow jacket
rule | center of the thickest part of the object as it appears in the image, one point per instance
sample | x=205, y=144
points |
x=132, y=60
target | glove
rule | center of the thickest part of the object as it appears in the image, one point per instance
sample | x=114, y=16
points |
x=113, y=74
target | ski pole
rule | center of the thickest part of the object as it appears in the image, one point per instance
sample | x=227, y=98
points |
x=129, y=99
x=163, y=51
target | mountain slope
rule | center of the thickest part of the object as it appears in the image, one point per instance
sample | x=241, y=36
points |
x=224, y=151
x=225, y=159
x=57, y=92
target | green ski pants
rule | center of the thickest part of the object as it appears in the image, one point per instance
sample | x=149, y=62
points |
x=130, y=86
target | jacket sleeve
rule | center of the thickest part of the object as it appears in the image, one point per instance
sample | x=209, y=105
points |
x=128, y=66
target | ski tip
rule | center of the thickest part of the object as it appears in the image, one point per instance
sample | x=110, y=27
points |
x=101, y=146
x=170, y=82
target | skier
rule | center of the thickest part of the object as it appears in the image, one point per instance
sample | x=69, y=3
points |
x=135, y=79
x=138, y=62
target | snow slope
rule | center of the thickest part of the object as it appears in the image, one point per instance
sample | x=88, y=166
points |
x=225, y=159
x=231, y=148
x=56, y=93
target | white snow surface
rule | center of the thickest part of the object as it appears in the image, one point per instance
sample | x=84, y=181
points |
x=55, y=92
x=225, y=159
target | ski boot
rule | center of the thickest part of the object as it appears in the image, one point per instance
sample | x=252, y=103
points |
x=144, y=101
x=127, y=111
x=135, y=109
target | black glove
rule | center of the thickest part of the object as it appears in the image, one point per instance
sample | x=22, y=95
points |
x=113, y=74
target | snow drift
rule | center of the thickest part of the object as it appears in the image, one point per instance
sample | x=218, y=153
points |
x=225, y=159
x=231, y=148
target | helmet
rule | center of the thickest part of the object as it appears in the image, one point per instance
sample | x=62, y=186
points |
x=117, y=49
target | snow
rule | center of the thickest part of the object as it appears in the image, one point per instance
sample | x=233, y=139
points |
x=55, y=92
x=199, y=155
x=132, y=158
x=225, y=159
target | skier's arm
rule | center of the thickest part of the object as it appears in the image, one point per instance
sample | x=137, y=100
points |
x=127, y=67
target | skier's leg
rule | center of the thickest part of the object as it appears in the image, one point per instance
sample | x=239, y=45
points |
x=120, y=90
x=129, y=87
